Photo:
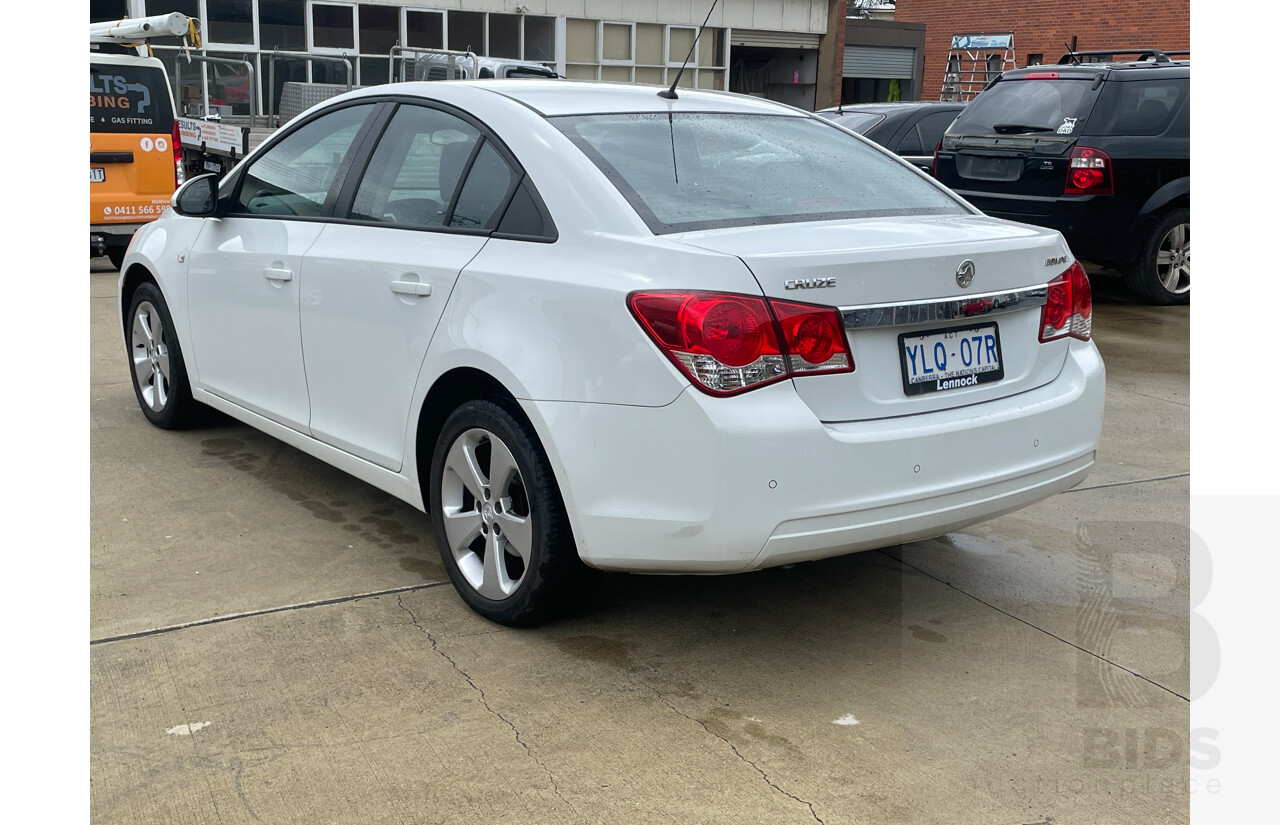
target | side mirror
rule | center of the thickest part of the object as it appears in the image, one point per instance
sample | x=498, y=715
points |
x=197, y=198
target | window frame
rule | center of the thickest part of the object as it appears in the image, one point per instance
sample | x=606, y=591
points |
x=601, y=59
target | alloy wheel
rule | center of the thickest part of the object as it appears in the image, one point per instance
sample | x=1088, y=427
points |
x=1173, y=259
x=486, y=513
x=150, y=357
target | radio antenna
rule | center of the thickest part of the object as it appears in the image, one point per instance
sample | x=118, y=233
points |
x=670, y=94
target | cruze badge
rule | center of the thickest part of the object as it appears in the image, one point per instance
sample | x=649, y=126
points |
x=964, y=273
x=809, y=283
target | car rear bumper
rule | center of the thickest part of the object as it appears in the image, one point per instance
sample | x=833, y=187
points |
x=719, y=485
x=1097, y=228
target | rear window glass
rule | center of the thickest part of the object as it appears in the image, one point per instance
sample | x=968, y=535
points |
x=1028, y=107
x=859, y=122
x=1138, y=107
x=129, y=99
x=684, y=172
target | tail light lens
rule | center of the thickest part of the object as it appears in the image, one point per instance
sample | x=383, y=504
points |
x=179, y=174
x=727, y=343
x=1069, y=310
x=936, y=149
x=1089, y=172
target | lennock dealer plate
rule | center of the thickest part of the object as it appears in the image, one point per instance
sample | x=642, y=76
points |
x=97, y=174
x=950, y=359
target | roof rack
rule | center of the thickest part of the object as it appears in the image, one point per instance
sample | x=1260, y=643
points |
x=1155, y=55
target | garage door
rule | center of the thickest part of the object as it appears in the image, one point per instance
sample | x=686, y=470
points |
x=879, y=61
x=773, y=40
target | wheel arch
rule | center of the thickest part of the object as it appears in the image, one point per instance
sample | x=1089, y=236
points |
x=1176, y=194
x=447, y=393
x=134, y=277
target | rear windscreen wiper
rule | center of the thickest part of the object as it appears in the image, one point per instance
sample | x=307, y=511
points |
x=1019, y=128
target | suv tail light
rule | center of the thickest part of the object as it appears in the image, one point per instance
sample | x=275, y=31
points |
x=727, y=343
x=1070, y=307
x=1089, y=172
x=179, y=174
x=936, y=150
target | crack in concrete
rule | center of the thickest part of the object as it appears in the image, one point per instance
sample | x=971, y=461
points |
x=484, y=700
x=763, y=775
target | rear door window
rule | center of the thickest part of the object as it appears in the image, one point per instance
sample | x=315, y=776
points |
x=1029, y=107
x=131, y=99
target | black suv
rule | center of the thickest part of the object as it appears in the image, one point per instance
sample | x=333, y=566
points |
x=1099, y=151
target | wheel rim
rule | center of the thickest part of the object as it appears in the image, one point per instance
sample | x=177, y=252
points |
x=487, y=517
x=1173, y=259
x=150, y=357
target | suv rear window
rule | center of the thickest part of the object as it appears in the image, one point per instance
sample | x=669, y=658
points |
x=691, y=171
x=129, y=99
x=1029, y=107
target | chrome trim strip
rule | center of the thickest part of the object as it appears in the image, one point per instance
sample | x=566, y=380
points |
x=944, y=309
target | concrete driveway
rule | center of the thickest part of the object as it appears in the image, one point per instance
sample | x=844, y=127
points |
x=273, y=641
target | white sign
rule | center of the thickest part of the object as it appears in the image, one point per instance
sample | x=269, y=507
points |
x=981, y=41
x=216, y=137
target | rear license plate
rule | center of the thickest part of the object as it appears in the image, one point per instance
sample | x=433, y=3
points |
x=97, y=175
x=950, y=359
x=212, y=166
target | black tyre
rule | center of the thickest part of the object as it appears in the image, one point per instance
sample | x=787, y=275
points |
x=155, y=362
x=498, y=518
x=115, y=254
x=1162, y=273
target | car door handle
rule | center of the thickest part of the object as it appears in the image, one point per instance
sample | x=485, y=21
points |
x=411, y=288
x=273, y=274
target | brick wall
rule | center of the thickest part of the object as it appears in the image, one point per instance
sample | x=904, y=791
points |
x=1045, y=27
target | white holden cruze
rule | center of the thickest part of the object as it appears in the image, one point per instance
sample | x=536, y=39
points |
x=583, y=323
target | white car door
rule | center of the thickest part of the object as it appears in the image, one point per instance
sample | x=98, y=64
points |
x=374, y=284
x=244, y=270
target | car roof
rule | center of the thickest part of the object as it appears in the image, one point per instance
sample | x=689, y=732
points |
x=886, y=108
x=1125, y=70
x=552, y=98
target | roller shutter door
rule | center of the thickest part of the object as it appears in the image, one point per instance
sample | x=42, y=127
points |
x=773, y=40
x=879, y=61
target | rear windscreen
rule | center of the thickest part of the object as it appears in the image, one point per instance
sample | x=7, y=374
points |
x=129, y=99
x=859, y=122
x=1029, y=107
x=690, y=171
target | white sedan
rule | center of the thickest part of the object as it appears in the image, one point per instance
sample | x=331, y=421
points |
x=583, y=324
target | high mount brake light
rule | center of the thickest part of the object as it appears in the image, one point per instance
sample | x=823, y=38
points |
x=727, y=344
x=1089, y=172
x=1069, y=310
x=1040, y=76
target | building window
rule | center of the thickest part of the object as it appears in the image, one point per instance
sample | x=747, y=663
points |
x=424, y=29
x=504, y=35
x=282, y=24
x=230, y=21
x=1035, y=59
x=466, y=31
x=333, y=27
x=540, y=39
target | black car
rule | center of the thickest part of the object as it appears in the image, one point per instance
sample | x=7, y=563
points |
x=909, y=129
x=1099, y=151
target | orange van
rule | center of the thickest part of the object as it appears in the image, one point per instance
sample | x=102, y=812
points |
x=135, y=157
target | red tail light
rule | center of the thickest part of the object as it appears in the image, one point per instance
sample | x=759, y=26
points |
x=1089, y=172
x=1070, y=307
x=936, y=150
x=727, y=344
x=1039, y=76
x=179, y=175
